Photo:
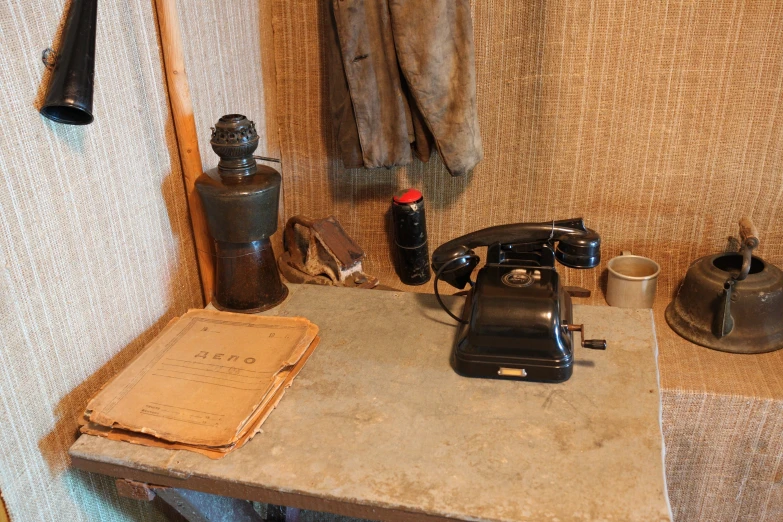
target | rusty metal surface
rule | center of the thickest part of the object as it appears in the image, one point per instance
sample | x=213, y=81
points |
x=240, y=197
x=246, y=277
x=241, y=201
x=378, y=425
x=732, y=302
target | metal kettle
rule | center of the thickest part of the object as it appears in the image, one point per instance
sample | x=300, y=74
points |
x=732, y=302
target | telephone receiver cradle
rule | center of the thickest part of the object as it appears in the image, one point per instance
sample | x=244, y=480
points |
x=518, y=319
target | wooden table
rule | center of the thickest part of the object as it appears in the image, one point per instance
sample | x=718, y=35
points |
x=378, y=425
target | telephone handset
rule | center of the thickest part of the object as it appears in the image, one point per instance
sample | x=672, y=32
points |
x=517, y=321
x=577, y=247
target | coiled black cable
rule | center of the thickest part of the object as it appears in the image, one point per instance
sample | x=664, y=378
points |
x=437, y=277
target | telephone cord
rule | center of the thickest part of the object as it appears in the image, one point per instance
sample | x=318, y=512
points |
x=437, y=293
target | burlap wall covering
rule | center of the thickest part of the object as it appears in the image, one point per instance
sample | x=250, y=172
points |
x=226, y=72
x=95, y=244
x=660, y=123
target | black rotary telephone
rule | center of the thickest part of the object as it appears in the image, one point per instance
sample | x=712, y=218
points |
x=518, y=319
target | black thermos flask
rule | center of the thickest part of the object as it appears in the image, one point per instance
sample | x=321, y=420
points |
x=410, y=237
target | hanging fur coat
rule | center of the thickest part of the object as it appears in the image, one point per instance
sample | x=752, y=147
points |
x=402, y=76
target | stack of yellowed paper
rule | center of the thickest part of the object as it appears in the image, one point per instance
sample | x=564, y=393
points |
x=206, y=383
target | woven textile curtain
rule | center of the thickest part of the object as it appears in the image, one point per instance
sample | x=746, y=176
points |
x=96, y=250
x=659, y=122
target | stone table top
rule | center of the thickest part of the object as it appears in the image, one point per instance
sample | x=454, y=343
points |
x=378, y=425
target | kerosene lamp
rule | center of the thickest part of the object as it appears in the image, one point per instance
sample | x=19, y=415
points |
x=240, y=201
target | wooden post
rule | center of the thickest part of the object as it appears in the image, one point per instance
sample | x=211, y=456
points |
x=187, y=138
x=3, y=512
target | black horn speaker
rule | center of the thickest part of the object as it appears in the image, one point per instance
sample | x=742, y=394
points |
x=69, y=98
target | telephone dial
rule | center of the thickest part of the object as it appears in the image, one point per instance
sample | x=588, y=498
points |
x=517, y=322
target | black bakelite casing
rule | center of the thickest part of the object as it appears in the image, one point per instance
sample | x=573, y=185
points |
x=516, y=327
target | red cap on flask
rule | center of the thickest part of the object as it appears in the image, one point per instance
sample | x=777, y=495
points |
x=407, y=196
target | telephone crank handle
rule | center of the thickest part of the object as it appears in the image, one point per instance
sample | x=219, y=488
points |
x=593, y=344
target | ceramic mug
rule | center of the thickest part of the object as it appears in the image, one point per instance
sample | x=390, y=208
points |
x=632, y=281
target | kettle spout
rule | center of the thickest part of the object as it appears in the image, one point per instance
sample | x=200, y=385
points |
x=724, y=322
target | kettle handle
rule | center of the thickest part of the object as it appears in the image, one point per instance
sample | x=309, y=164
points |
x=750, y=240
x=748, y=233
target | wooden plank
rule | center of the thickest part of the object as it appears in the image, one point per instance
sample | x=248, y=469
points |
x=135, y=490
x=187, y=137
x=378, y=425
x=256, y=493
x=3, y=511
x=269, y=77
